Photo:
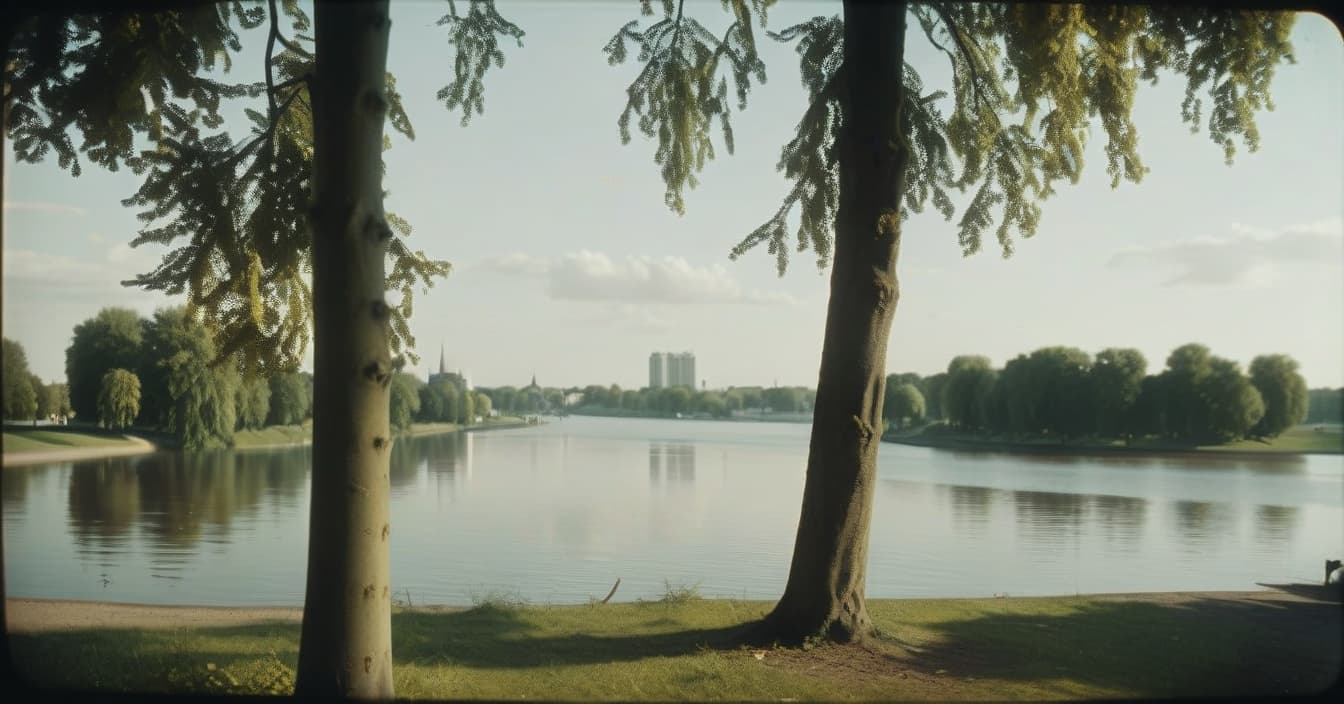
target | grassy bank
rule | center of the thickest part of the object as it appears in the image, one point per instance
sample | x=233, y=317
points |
x=55, y=438
x=1298, y=439
x=1137, y=646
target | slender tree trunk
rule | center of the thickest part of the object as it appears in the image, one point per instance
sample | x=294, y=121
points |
x=346, y=644
x=825, y=591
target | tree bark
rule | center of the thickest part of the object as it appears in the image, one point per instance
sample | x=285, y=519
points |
x=346, y=643
x=825, y=591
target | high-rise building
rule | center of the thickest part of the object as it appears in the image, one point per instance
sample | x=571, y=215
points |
x=657, y=370
x=671, y=369
x=681, y=369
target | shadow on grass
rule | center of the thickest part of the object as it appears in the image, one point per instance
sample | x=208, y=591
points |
x=482, y=637
x=488, y=637
x=1197, y=646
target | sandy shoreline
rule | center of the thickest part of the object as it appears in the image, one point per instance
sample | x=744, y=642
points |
x=139, y=446
x=25, y=615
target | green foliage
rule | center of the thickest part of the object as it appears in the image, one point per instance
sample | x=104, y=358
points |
x=118, y=399
x=1028, y=82
x=1325, y=406
x=683, y=86
x=1187, y=368
x=200, y=397
x=1116, y=381
x=252, y=400
x=783, y=399
x=405, y=401
x=54, y=399
x=431, y=404
x=483, y=405
x=1283, y=390
x=110, y=76
x=289, y=399
x=476, y=36
x=1232, y=405
x=903, y=404
x=466, y=407
x=933, y=395
x=238, y=212
x=109, y=340
x=17, y=392
x=1062, y=392
x=966, y=392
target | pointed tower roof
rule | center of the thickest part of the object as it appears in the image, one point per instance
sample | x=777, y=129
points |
x=443, y=368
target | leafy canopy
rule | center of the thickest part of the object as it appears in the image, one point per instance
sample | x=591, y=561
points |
x=144, y=89
x=1028, y=80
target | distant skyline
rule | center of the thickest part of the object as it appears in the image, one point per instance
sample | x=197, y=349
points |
x=567, y=264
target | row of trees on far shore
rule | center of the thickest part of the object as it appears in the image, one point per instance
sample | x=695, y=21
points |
x=1067, y=393
x=681, y=400
x=22, y=393
x=164, y=374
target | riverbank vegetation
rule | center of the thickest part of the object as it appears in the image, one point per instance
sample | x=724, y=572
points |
x=1063, y=395
x=680, y=647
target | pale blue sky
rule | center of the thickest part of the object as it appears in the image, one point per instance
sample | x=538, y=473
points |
x=567, y=263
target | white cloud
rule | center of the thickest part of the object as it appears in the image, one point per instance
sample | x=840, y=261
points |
x=1249, y=256
x=42, y=207
x=594, y=276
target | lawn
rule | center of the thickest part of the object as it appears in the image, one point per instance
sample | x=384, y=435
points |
x=272, y=435
x=1142, y=646
x=42, y=439
x=1300, y=438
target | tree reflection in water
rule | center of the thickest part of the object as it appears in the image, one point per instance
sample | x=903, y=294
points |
x=104, y=501
x=1274, y=526
x=1201, y=525
x=173, y=500
x=1121, y=520
x=971, y=508
x=445, y=458
x=1048, y=520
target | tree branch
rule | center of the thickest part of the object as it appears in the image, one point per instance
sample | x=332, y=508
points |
x=270, y=49
x=954, y=31
x=292, y=82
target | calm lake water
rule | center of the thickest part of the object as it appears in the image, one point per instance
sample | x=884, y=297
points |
x=556, y=513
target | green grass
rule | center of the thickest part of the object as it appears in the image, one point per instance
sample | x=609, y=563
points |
x=1301, y=438
x=272, y=435
x=689, y=649
x=432, y=428
x=42, y=439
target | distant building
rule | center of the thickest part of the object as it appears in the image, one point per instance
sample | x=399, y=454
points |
x=681, y=369
x=671, y=369
x=457, y=378
x=657, y=370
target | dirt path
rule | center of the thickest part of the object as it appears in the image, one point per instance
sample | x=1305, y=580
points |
x=137, y=446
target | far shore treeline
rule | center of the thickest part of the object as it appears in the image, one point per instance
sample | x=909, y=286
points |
x=1066, y=393
x=155, y=375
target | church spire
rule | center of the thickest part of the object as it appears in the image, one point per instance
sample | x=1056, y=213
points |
x=442, y=367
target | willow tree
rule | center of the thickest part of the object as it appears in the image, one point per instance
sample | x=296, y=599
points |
x=874, y=144
x=250, y=222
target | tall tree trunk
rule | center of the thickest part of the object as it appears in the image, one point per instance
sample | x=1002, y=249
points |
x=825, y=591
x=346, y=644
